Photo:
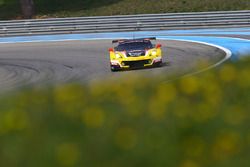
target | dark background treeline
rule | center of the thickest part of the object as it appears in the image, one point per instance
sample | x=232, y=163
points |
x=10, y=9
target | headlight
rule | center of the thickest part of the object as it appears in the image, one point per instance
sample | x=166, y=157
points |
x=118, y=56
x=154, y=53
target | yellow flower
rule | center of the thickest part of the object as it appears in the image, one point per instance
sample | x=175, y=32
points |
x=67, y=154
x=69, y=99
x=13, y=120
x=189, y=85
x=236, y=115
x=226, y=145
x=93, y=117
x=135, y=108
x=248, y=139
x=228, y=73
x=126, y=138
x=203, y=112
x=189, y=163
x=165, y=94
x=194, y=147
x=243, y=78
x=212, y=94
x=98, y=90
x=183, y=110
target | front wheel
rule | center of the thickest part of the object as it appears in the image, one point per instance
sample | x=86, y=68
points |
x=114, y=69
x=158, y=64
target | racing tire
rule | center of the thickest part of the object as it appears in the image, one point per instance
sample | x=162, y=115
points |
x=113, y=69
x=158, y=64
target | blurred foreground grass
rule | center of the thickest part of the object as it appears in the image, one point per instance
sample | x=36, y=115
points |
x=199, y=121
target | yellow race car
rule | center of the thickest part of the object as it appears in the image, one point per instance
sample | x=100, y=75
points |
x=135, y=53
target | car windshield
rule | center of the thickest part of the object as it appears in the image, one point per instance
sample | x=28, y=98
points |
x=138, y=45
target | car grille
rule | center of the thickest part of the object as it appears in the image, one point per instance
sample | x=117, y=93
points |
x=135, y=54
x=140, y=63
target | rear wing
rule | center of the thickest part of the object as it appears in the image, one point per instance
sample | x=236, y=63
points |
x=137, y=39
x=119, y=40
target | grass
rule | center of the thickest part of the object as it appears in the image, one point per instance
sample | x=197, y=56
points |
x=9, y=9
x=198, y=121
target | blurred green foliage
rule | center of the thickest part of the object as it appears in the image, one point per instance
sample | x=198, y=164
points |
x=9, y=9
x=198, y=121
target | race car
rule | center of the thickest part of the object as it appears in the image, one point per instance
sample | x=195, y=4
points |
x=135, y=53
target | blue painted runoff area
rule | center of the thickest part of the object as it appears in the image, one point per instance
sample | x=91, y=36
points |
x=238, y=46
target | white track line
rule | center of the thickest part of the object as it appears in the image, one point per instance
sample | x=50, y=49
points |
x=227, y=51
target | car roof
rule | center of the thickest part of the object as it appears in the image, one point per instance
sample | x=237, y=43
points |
x=120, y=41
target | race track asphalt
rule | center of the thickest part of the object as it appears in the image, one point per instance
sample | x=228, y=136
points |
x=23, y=64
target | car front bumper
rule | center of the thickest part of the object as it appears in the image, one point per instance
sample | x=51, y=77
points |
x=127, y=64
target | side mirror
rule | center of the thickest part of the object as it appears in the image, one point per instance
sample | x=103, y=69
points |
x=158, y=46
x=111, y=50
